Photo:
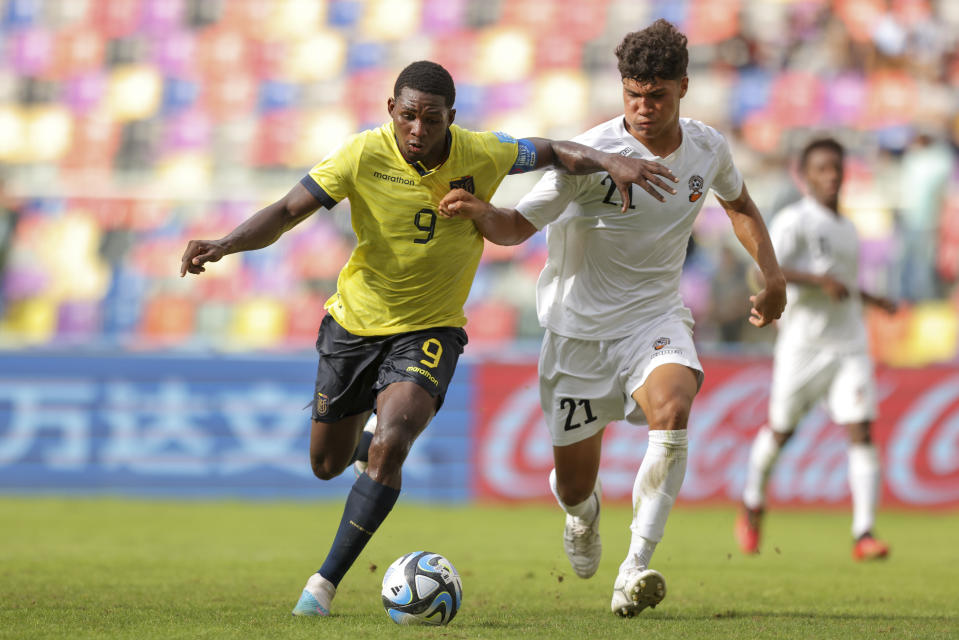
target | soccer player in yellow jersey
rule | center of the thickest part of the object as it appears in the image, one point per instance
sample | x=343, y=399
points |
x=394, y=328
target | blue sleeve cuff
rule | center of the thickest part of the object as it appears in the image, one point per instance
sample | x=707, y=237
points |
x=317, y=191
x=525, y=157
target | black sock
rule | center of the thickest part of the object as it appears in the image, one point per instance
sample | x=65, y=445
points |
x=362, y=452
x=366, y=508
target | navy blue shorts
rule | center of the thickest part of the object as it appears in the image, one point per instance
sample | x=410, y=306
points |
x=353, y=369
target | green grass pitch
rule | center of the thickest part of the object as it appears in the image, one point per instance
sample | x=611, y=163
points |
x=112, y=568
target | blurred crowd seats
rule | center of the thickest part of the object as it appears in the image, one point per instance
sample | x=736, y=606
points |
x=130, y=126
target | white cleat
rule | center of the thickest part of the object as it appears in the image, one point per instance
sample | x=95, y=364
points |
x=316, y=597
x=581, y=542
x=635, y=590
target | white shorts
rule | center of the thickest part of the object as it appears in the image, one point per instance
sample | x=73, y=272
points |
x=586, y=384
x=803, y=377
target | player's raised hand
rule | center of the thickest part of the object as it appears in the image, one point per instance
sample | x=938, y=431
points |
x=768, y=305
x=500, y=226
x=199, y=252
x=643, y=173
x=463, y=204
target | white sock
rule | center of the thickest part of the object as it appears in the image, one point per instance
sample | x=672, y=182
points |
x=762, y=456
x=585, y=510
x=864, y=485
x=657, y=484
x=639, y=554
x=318, y=585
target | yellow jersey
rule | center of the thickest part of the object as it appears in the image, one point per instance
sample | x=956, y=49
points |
x=410, y=269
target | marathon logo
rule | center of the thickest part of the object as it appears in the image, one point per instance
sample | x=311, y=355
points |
x=399, y=179
x=423, y=372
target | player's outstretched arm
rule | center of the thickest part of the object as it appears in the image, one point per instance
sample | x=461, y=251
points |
x=832, y=287
x=751, y=231
x=259, y=230
x=577, y=159
x=509, y=227
x=887, y=305
x=499, y=226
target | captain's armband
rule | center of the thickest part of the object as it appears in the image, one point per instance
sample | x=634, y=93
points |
x=525, y=157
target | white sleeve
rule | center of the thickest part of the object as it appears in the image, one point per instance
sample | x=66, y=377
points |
x=549, y=198
x=728, y=183
x=787, y=242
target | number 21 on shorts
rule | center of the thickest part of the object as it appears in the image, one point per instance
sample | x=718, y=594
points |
x=569, y=406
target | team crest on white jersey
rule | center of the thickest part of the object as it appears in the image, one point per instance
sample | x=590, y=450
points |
x=695, y=188
x=659, y=343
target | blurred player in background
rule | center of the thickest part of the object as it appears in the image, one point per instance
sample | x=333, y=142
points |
x=619, y=340
x=394, y=328
x=822, y=352
x=10, y=208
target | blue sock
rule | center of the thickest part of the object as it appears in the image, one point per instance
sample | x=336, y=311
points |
x=366, y=508
x=362, y=452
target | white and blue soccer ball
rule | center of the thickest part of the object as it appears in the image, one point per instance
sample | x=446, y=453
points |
x=422, y=588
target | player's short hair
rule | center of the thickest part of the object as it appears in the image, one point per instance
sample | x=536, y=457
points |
x=829, y=144
x=658, y=51
x=427, y=77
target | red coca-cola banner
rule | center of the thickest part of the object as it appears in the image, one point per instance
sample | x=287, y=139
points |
x=917, y=434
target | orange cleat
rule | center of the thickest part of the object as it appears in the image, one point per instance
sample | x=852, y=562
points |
x=868, y=548
x=748, y=524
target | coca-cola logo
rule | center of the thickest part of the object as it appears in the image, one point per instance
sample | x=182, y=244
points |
x=923, y=450
x=917, y=435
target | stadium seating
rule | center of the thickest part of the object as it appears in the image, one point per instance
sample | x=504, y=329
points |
x=129, y=126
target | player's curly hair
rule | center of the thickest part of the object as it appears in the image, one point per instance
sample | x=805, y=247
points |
x=829, y=144
x=427, y=77
x=658, y=51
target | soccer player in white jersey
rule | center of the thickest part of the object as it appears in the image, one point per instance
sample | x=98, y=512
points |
x=821, y=350
x=618, y=342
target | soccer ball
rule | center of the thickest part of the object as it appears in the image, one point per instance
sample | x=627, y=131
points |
x=422, y=588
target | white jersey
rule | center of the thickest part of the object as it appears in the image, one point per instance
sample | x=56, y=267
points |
x=608, y=273
x=810, y=238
